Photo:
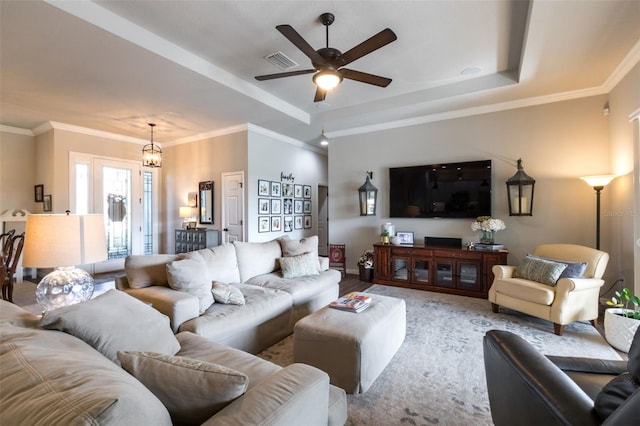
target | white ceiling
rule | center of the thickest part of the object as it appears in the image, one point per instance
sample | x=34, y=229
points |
x=189, y=66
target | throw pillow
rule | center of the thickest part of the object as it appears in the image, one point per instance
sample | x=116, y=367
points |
x=573, y=269
x=299, y=266
x=539, y=270
x=190, y=276
x=227, y=294
x=112, y=322
x=191, y=390
x=297, y=247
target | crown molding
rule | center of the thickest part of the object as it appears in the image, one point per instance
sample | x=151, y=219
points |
x=630, y=60
x=15, y=130
x=285, y=139
x=208, y=135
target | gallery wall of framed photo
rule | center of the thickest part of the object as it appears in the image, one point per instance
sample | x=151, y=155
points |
x=283, y=206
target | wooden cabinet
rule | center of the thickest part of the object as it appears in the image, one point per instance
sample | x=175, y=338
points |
x=450, y=270
x=196, y=239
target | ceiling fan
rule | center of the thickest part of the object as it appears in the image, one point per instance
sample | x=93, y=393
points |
x=328, y=62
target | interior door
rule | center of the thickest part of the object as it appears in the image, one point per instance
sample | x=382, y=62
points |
x=232, y=207
x=323, y=221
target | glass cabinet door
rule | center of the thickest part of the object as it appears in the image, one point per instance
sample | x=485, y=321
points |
x=400, y=268
x=421, y=271
x=444, y=274
x=469, y=276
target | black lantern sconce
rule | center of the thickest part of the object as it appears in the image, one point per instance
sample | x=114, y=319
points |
x=368, y=197
x=520, y=193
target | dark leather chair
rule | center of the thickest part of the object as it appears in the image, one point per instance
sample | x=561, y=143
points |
x=528, y=388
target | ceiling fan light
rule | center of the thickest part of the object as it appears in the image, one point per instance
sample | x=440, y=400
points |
x=327, y=79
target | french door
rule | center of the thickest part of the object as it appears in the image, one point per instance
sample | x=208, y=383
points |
x=124, y=193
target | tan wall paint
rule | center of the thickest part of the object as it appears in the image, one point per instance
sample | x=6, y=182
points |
x=17, y=172
x=185, y=165
x=557, y=142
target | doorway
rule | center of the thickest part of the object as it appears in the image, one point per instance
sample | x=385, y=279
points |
x=323, y=220
x=232, y=197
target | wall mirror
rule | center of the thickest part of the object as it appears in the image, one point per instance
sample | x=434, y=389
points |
x=206, y=202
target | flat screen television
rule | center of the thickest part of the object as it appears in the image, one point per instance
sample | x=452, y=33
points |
x=451, y=190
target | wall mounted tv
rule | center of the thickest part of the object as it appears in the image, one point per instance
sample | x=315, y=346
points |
x=452, y=190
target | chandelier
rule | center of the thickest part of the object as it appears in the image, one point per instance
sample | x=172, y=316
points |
x=151, y=153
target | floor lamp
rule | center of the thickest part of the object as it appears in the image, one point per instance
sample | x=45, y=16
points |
x=598, y=183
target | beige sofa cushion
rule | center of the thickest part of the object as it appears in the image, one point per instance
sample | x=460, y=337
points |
x=297, y=247
x=112, y=322
x=144, y=270
x=190, y=276
x=522, y=289
x=192, y=390
x=222, y=263
x=257, y=258
x=51, y=378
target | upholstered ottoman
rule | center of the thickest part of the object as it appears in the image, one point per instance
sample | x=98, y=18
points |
x=353, y=348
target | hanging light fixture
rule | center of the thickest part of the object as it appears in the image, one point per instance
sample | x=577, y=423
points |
x=368, y=197
x=327, y=79
x=324, y=141
x=520, y=193
x=151, y=153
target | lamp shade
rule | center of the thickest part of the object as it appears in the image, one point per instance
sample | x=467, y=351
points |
x=598, y=180
x=185, y=212
x=327, y=79
x=64, y=240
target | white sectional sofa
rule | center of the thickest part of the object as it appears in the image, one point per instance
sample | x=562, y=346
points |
x=273, y=304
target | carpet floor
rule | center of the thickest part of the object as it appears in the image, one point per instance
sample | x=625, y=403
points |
x=437, y=375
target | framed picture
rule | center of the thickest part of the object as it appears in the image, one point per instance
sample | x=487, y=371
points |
x=288, y=223
x=264, y=206
x=307, y=207
x=276, y=223
x=193, y=199
x=405, y=237
x=263, y=188
x=287, y=190
x=288, y=206
x=276, y=206
x=46, y=203
x=263, y=224
x=298, y=222
x=276, y=189
x=307, y=222
x=306, y=191
x=297, y=206
x=39, y=193
x=297, y=191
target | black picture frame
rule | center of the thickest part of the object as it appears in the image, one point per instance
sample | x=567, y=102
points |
x=276, y=223
x=297, y=206
x=276, y=189
x=307, y=207
x=276, y=206
x=264, y=206
x=287, y=190
x=307, y=222
x=298, y=222
x=287, y=205
x=46, y=203
x=38, y=193
x=405, y=237
x=264, y=188
x=264, y=223
x=288, y=223
x=297, y=191
x=206, y=199
x=306, y=191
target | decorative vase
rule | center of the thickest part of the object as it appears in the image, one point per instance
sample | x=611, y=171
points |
x=487, y=237
x=618, y=329
x=366, y=274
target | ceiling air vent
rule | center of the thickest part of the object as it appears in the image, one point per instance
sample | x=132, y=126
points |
x=281, y=61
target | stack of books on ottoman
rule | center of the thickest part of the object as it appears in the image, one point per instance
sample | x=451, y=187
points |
x=352, y=302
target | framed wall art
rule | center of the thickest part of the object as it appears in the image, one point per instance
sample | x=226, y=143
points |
x=39, y=193
x=288, y=223
x=307, y=207
x=264, y=223
x=297, y=191
x=263, y=188
x=405, y=237
x=276, y=189
x=307, y=222
x=276, y=206
x=298, y=222
x=287, y=190
x=276, y=223
x=264, y=206
x=192, y=199
x=297, y=206
x=287, y=207
x=46, y=206
x=306, y=191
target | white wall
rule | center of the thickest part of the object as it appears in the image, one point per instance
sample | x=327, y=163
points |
x=268, y=158
x=557, y=142
x=17, y=174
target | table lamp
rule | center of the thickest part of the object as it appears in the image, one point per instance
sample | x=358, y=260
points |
x=62, y=242
x=187, y=216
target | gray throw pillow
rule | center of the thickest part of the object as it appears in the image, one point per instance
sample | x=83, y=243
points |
x=539, y=270
x=192, y=390
x=573, y=269
x=227, y=294
x=189, y=275
x=300, y=266
x=112, y=322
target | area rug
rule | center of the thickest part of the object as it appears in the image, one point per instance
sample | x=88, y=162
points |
x=437, y=375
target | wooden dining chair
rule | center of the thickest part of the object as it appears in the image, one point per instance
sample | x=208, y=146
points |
x=10, y=264
x=337, y=257
x=5, y=241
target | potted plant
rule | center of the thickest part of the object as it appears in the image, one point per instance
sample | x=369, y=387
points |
x=365, y=266
x=384, y=237
x=622, y=320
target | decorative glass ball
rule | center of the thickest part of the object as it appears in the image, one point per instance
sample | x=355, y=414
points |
x=64, y=286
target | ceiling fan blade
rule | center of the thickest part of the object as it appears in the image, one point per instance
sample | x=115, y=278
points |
x=363, y=77
x=320, y=95
x=283, y=74
x=297, y=40
x=379, y=40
